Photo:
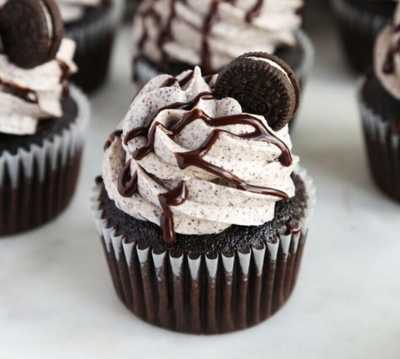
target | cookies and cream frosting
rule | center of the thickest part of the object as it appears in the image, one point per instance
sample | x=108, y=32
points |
x=387, y=56
x=72, y=10
x=194, y=164
x=29, y=95
x=211, y=33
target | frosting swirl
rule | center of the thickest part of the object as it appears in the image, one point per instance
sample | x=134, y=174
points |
x=29, y=95
x=72, y=10
x=211, y=33
x=387, y=56
x=194, y=164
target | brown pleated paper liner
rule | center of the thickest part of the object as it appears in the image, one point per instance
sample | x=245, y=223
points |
x=358, y=30
x=207, y=294
x=94, y=42
x=37, y=184
x=383, y=149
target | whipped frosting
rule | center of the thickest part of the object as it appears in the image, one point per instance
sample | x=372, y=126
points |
x=211, y=33
x=183, y=158
x=72, y=10
x=29, y=95
x=387, y=56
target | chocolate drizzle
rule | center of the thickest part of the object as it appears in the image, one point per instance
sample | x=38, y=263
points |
x=127, y=185
x=166, y=33
x=174, y=197
x=254, y=11
x=111, y=138
x=22, y=93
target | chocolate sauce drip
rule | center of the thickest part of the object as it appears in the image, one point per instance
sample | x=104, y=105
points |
x=254, y=11
x=127, y=184
x=22, y=93
x=146, y=132
x=111, y=138
x=166, y=35
x=182, y=83
x=174, y=197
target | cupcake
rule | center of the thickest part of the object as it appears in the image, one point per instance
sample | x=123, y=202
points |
x=130, y=8
x=92, y=25
x=380, y=108
x=359, y=22
x=201, y=207
x=173, y=36
x=42, y=118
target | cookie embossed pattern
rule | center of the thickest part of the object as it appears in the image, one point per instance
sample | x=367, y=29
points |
x=205, y=199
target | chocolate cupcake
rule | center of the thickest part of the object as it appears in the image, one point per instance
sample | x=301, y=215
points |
x=92, y=24
x=130, y=8
x=201, y=209
x=42, y=118
x=380, y=107
x=359, y=22
x=173, y=36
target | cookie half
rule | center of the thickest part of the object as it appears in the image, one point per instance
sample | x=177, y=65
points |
x=264, y=85
x=31, y=31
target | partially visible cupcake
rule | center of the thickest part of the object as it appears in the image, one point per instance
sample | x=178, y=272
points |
x=173, y=36
x=130, y=8
x=359, y=22
x=42, y=118
x=202, y=210
x=92, y=24
x=380, y=110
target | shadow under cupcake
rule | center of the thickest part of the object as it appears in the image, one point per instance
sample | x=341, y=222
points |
x=201, y=208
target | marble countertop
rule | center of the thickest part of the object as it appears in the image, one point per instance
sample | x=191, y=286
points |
x=56, y=297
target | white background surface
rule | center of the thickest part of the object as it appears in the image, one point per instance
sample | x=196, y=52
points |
x=56, y=297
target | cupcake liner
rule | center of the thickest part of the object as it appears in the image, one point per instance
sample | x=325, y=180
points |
x=358, y=30
x=207, y=294
x=383, y=149
x=304, y=70
x=94, y=38
x=36, y=184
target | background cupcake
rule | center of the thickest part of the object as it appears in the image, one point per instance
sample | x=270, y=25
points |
x=359, y=22
x=42, y=119
x=380, y=109
x=170, y=39
x=130, y=8
x=92, y=25
x=201, y=210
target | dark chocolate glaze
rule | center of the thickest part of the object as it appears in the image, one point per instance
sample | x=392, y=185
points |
x=174, y=197
x=127, y=185
x=111, y=138
x=254, y=11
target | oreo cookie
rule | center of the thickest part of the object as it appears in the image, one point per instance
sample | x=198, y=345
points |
x=263, y=84
x=31, y=31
